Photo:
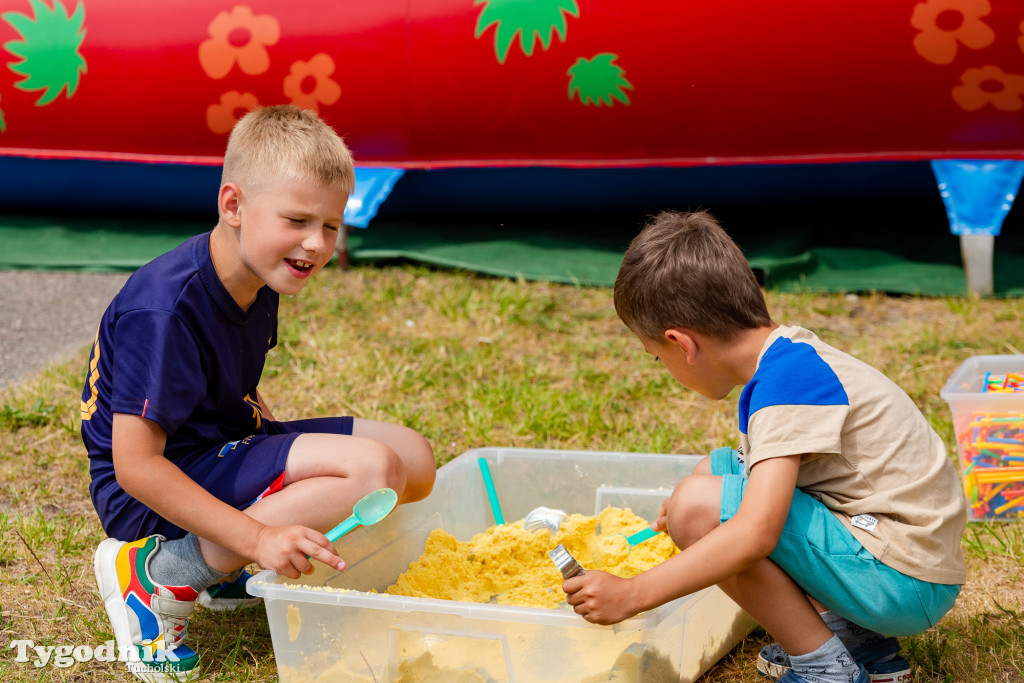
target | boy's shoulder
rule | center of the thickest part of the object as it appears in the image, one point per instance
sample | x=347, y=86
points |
x=794, y=368
x=795, y=359
x=792, y=347
x=159, y=284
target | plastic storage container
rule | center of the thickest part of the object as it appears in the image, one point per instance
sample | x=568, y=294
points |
x=329, y=628
x=989, y=430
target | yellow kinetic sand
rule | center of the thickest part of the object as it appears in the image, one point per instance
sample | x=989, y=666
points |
x=508, y=565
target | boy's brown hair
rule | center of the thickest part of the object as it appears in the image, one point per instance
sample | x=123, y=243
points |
x=284, y=141
x=684, y=271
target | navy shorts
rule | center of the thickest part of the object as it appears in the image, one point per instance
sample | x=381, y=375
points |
x=238, y=473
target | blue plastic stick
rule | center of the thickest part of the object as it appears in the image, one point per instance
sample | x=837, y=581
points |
x=492, y=495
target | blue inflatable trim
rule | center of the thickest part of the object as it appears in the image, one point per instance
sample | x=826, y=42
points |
x=978, y=193
x=373, y=185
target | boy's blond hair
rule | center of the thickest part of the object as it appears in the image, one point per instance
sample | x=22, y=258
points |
x=284, y=141
x=684, y=271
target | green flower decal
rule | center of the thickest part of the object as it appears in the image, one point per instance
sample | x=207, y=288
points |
x=598, y=80
x=51, y=60
x=533, y=20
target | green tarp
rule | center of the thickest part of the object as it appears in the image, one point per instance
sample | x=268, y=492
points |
x=897, y=247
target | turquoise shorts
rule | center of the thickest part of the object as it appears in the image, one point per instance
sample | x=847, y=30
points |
x=831, y=565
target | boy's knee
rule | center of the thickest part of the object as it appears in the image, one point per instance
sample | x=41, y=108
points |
x=380, y=467
x=421, y=469
x=410, y=470
x=694, y=509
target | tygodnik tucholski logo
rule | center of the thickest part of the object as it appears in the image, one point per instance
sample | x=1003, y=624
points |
x=63, y=656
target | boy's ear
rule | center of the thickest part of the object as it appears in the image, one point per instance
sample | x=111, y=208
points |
x=685, y=340
x=229, y=203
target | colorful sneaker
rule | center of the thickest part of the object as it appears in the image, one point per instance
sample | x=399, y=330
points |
x=773, y=661
x=228, y=595
x=149, y=620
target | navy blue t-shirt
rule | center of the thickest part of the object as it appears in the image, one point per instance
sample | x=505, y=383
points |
x=175, y=348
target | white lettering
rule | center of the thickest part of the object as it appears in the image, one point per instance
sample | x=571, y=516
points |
x=105, y=652
x=23, y=646
x=64, y=658
x=127, y=653
x=148, y=657
x=44, y=653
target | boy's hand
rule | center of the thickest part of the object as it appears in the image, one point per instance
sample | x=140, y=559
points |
x=660, y=522
x=284, y=549
x=600, y=597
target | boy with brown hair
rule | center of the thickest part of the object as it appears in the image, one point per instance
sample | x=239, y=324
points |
x=837, y=523
x=192, y=477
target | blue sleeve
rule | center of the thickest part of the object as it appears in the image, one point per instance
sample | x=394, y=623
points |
x=157, y=369
x=790, y=374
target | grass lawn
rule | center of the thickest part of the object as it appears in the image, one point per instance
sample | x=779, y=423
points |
x=470, y=362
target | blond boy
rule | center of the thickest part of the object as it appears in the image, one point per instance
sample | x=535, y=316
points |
x=191, y=475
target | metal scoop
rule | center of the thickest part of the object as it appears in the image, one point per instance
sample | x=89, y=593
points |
x=371, y=508
x=544, y=518
x=565, y=562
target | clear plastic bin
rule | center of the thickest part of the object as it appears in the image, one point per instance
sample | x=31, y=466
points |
x=329, y=628
x=989, y=431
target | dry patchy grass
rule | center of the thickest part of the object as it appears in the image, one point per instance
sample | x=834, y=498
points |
x=474, y=362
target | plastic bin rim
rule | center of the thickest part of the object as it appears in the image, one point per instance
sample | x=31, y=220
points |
x=949, y=393
x=266, y=586
x=562, y=454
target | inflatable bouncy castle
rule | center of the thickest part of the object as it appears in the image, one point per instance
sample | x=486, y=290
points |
x=433, y=84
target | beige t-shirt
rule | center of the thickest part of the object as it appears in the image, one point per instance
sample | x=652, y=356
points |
x=868, y=453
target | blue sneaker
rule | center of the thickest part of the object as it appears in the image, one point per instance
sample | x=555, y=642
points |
x=773, y=661
x=228, y=595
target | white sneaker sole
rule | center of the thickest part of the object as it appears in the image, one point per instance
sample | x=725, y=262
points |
x=110, y=593
x=776, y=671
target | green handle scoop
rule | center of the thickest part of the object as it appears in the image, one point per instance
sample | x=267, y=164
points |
x=371, y=508
x=641, y=536
x=611, y=552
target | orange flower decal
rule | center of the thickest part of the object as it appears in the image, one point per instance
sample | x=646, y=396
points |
x=238, y=37
x=990, y=85
x=309, y=84
x=221, y=117
x=944, y=23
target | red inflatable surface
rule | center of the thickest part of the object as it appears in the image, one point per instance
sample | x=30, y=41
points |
x=438, y=83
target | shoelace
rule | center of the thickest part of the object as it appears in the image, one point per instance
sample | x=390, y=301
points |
x=174, y=633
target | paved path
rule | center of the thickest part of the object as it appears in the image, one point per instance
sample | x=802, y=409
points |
x=48, y=316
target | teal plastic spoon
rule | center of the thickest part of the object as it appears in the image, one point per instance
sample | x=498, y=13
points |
x=370, y=509
x=641, y=536
x=605, y=554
